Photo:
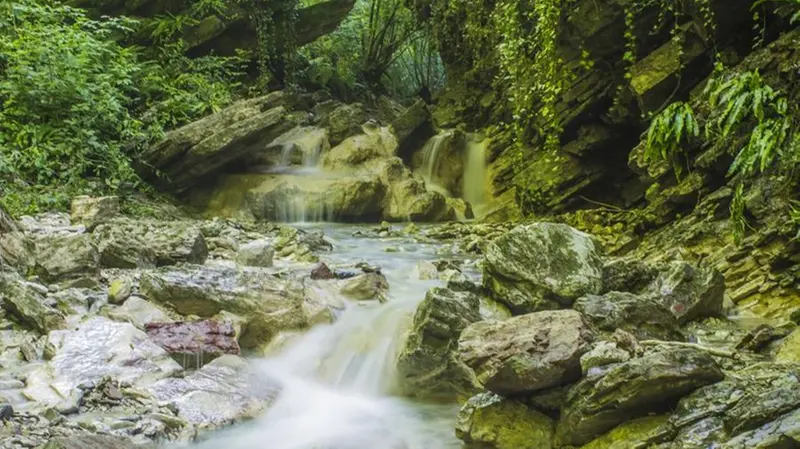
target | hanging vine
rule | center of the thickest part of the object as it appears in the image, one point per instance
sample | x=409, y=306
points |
x=275, y=22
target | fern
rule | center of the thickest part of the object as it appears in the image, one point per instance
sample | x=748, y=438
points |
x=791, y=6
x=668, y=131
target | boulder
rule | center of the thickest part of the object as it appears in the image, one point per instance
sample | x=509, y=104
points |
x=225, y=391
x=194, y=343
x=633, y=434
x=602, y=354
x=258, y=253
x=643, y=316
x=527, y=353
x=120, y=290
x=92, y=211
x=267, y=305
x=462, y=208
x=66, y=257
x=26, y=304
x=493, y=422
x=412, y=128
x=18, y=251
x=345, y=121
x=146, y=243
x=365, y=286
x=789, y=349
x=92, y=442
x=689, y=292
x=407, y=197
x=625, y=274
x=322, y=272
x=138, y=312
x=428, y=365
x=190, y=154
x=542, y=266
x=361, y=152
x=651, y=383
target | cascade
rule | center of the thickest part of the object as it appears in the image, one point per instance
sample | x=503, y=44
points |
x=474, y=180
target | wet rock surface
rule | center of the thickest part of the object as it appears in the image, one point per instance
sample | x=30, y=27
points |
x=194, y=343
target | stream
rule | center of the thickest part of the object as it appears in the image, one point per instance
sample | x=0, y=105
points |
x=337, y=381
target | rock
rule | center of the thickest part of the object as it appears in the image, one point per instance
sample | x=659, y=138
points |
x=361, y=152
x=120, y=290
x=412, y=128
x=631, y=435
x=783, y=432
x=365, y=286
x=428, y=365
x=7, y=223
x=407, y=198
x=127, y=243
x=258, y=253
x=93, y=350
x=6, y=412
x=345, y=121
x=542, y=266
x=643, y=316
x=627, y=275
x=66, y=257
x=527, y=353
x=190, y=154
x=759, y=337
x=462, y=208
x=789, y=349
x=267, y=305
x=17, y=251
x=425, y=270
x=91, y=212
x=602, y=354
x=222, y=392
x=194, y=343
x=633, y=389
x=689, y=292
x=322, y=272
x=139, y=312
x=27, y=305
x=441, y=160
x=492, y=422
x=91, y=442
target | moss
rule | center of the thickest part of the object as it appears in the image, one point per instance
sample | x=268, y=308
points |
x=632, y=434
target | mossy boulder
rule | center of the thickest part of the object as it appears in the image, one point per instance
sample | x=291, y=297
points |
x=542, y=266
x=489, y=421
x=91, y=211
x=634, y=434
x=643, y=316
x=93, y=442
x=126, y=243
x=345, y=121
x=651, y=383
x=689, y=292
x=66, y=257
x=527, y=353
x=27, y=305
x=789, y=349
x=429, y=365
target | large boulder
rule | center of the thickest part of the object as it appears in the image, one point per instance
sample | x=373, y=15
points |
x=225, y=391
x=91, y=211
x=407, y=198
x=491, y=422
x=527, y=353
x=66, y=257
x=128, y=243
x=267, y=304
x=633, y=389
x=18, y=251
x=27, y=305
x=644, y=316
x=689, y=292
x=345, y=121
x=361, y=152
x=194, y=343
x=429, y=365
x=258, y=253
x=92, y=442
x=542, y=266
x=190, y=154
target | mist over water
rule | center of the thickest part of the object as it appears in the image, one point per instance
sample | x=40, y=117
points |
x=336, y=381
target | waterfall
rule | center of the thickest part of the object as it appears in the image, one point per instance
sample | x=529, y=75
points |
x=431, y=160
x=474, y=180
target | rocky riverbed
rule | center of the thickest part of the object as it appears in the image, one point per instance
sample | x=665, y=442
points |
x=123, y=332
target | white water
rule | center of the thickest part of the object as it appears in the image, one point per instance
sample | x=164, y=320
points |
x=475, y=172
x=336, y=381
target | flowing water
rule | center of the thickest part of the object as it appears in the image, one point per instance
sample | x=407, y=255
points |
x=337, y=380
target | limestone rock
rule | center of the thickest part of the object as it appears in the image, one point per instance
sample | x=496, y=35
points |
x=492, y=422
x=268, y=305
x=365, y=286
x=258, y=253
x=429, y=365
x=145, y=244
x=407, y=198
x=224, y=391
x=66, y=257
x=689, y=292
x=138, y=312
x=18, y=251
x=602, y=354
x=92, y=211
x=542, y=266
x=345, y=121
x=194, y=343
x=633, y=389
x=527, y=353
x=361, y=152
x=425, y=270
x=627, y=275
x=120, y=290
x=789, y=349
x=630, y=435
x=462, y=208
x=91, y=442
x=643, y=316
x=27, y=305
x=412, y=128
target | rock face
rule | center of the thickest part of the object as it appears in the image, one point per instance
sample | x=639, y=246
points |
x=429, y=365
x=91, y=212
x=527, y=353
x=266, y=304
x=542, y=266
x=146, y=244
x=492, y=422
x=27, y=305
x=194, y=344
x=643, y=316
x=631, y=389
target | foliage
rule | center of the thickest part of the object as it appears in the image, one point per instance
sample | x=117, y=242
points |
x=275, y=22
x=75, y=103
x=388, y=29
x=668, y=131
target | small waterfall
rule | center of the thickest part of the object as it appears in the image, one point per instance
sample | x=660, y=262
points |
x=474, y=179
x=431, y=160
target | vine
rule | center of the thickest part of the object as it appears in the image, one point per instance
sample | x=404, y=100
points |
x=275, y=22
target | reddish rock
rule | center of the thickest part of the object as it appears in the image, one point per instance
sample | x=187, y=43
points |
x=195, y=343
x=322, y=272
